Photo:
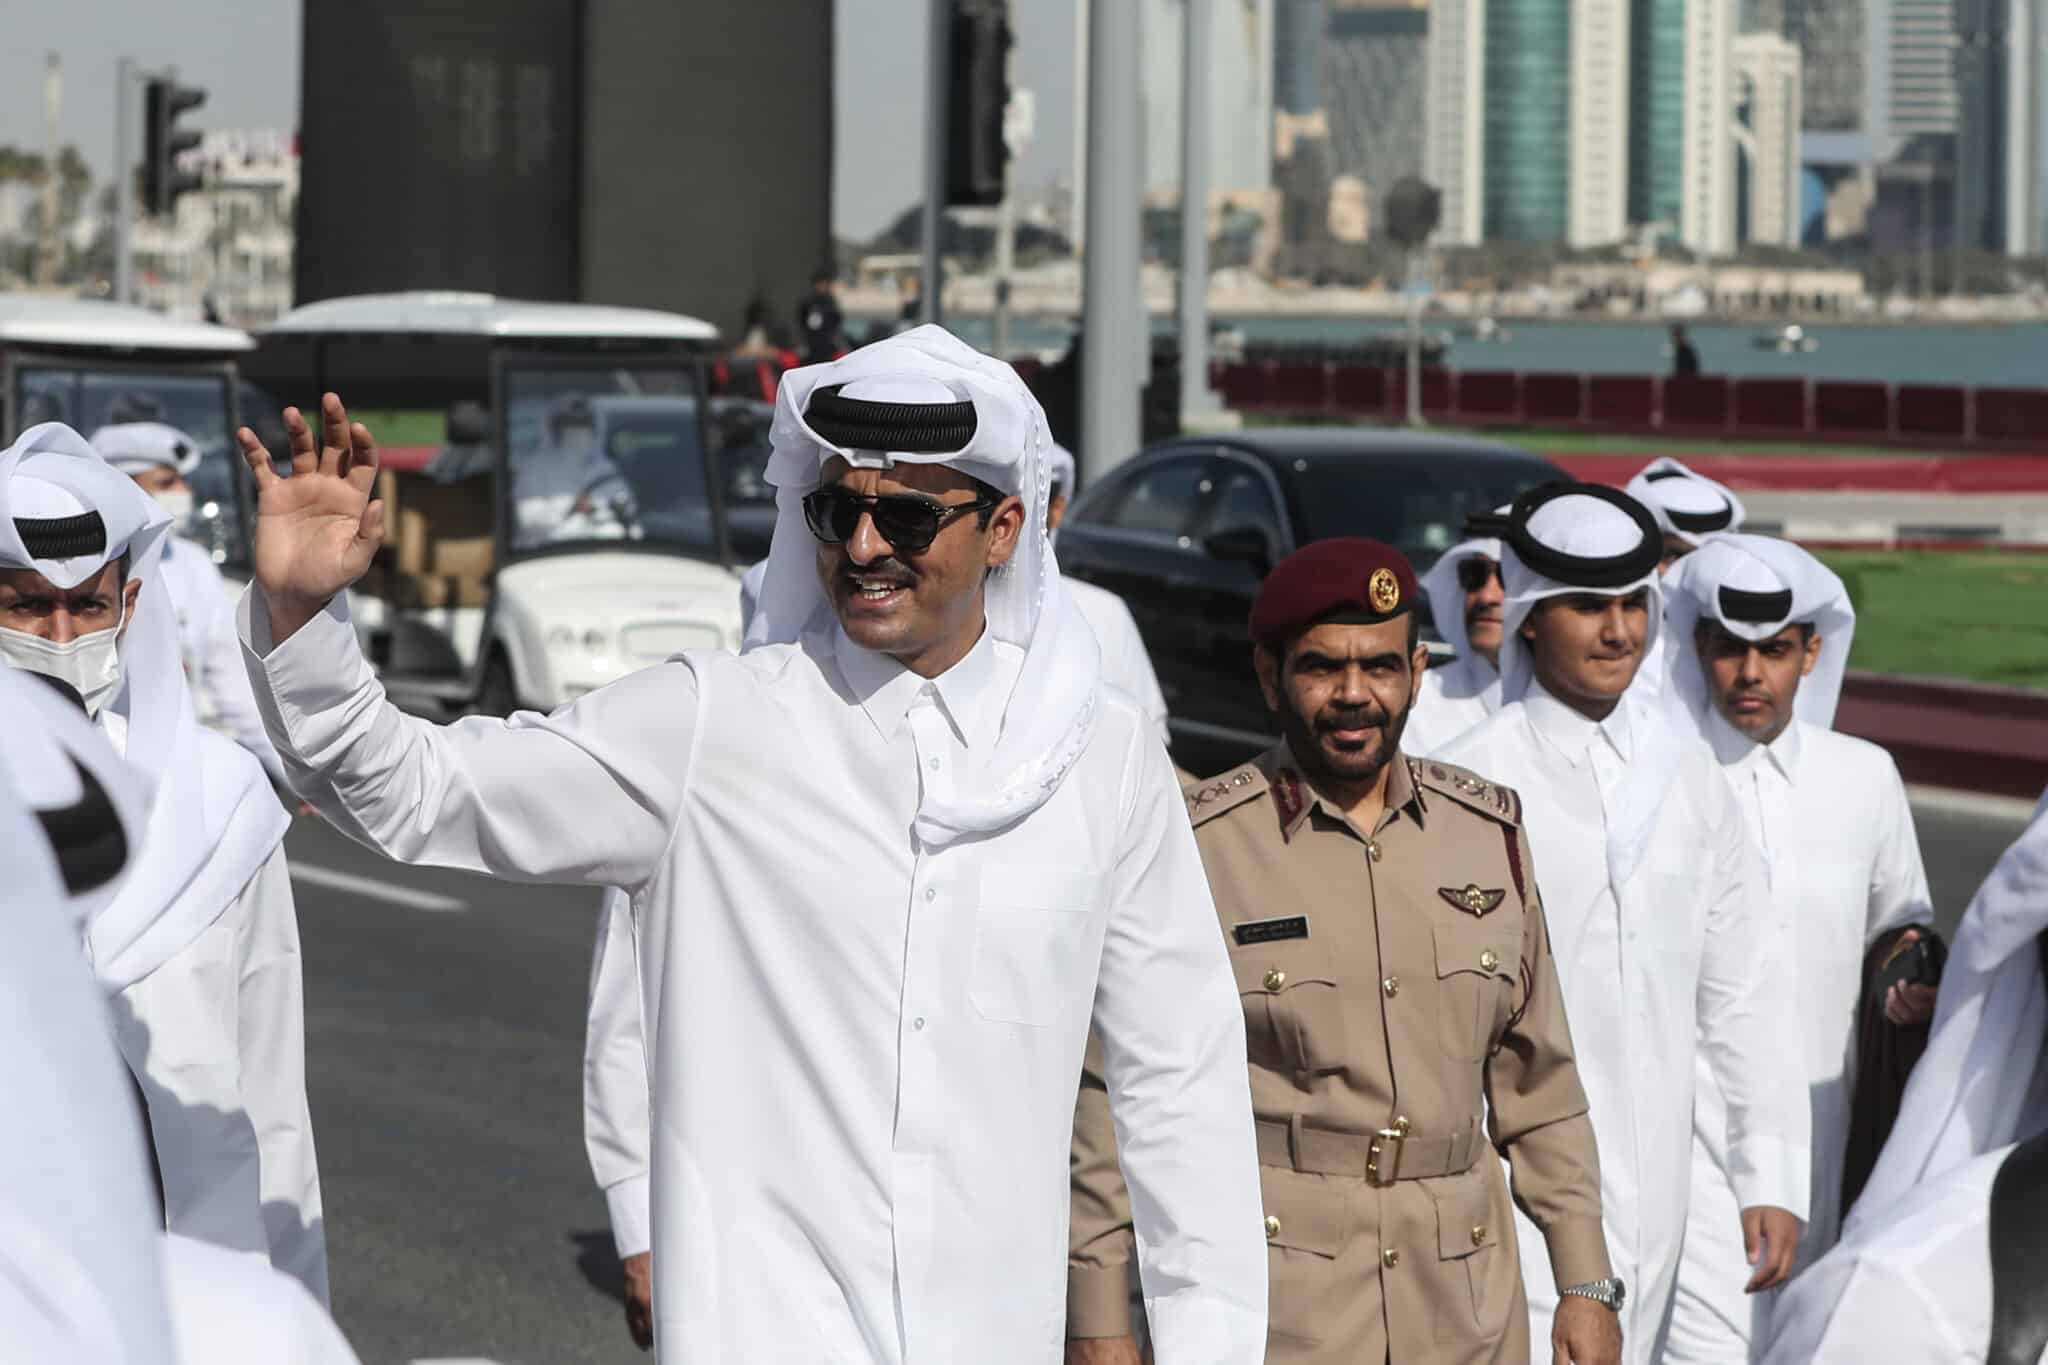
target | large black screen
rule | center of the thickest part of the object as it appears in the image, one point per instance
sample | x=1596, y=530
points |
x=440, y=147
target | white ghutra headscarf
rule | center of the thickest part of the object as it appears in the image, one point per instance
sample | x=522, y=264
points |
x=1447, y=606
x=1686, y=505
x=1050, y=715
x=213, y=818
x=1754, y=587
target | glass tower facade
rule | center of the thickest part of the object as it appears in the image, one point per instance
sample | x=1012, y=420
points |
x=1528, y=119
x=1656, y=124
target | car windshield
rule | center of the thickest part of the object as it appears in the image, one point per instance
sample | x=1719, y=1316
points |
x=611, y=453
x=1418, y=504
x=195, y=401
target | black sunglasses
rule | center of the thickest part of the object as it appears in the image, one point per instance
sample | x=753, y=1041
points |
x=1474, y=570
x=910, y=524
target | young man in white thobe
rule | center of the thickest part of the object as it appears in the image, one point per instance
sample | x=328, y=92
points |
x=159, y=458
x=887, y=863
x=1665, y=942
x=1760, y=633
x=1940, y=1261
x=1465, y=601
x=199, y=951
x=615, y=1072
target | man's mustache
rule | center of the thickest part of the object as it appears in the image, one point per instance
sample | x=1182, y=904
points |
x=1352, y=720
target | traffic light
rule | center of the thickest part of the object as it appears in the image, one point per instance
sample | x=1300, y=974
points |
x=977, y=93
x=163, y=102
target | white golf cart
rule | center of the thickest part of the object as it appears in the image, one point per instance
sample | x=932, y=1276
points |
x=88, y=363
x=552, y=513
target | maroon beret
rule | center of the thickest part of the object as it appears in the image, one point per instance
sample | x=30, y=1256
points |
x=1365, y=580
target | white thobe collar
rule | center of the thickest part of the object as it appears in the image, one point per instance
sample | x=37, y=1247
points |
x=1737, y=750
x=1569, y=732
x=886, y=690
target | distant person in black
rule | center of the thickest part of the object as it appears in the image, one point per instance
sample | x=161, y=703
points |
x=819, y=320
x=1685, y=358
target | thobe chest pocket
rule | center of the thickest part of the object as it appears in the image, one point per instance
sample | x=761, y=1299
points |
x=1030, y=937
x=1477, y=967
x=1293, y=1017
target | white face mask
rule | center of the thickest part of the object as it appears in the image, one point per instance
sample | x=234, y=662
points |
x=89, y=665
x=177, y=502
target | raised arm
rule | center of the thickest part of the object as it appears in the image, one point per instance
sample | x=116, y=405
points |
x=588, y=794
x=1172, y=1032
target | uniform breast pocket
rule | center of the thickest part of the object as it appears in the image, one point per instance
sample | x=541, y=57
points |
x=1477, y=966
x=1030, y=940
x=1293, y=1019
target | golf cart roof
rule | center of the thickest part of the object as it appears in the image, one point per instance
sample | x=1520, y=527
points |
x=46, y=320
x=450, y=313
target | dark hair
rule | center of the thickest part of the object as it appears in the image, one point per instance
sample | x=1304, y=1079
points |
x=990, y=492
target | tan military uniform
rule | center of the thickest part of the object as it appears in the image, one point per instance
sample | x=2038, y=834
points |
x=1394, y=986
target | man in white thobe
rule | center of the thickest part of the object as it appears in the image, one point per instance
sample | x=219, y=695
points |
x=1760, y=634
x=198, y=952
x=1664, y=939
x=1465, y=601
x=159, y=458
x=1925, y=1273
x=887, y=864
x=87, y=1272
x=615, y=1071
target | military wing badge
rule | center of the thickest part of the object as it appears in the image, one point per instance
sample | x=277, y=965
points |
x=1473, y=900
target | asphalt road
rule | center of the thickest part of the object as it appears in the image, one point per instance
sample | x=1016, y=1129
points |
x=444, y=1051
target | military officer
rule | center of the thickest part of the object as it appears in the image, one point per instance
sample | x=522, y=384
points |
x=1402, y=1019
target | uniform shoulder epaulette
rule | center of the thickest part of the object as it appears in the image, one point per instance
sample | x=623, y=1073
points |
x=1207, y=800
x=1467, y=788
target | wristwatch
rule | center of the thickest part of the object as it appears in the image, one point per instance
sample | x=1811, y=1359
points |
x=1609, y=1293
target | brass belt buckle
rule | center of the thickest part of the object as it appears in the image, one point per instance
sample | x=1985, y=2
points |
x=1376, y=1154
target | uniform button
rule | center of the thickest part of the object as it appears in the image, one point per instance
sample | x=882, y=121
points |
x=1391, y=1257
x=1479, y=1234
x=1392, y=986
x=1372, y=849
x=1272, y=1227
x=1488, y=960
x=1275, y=978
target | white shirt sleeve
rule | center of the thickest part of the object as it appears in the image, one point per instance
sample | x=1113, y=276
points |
x=1747, y=1004
x=1172, y=1032
x=616, y=1124
x=588, y=794
x=1898, y=879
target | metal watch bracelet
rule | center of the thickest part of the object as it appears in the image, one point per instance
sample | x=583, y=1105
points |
x=1608, y=1293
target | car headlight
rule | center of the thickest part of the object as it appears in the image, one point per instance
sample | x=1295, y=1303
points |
x=561, y=637
x=594, y=640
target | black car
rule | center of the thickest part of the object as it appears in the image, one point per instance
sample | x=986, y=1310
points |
x=1185, y=531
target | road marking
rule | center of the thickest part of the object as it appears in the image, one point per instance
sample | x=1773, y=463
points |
x=412, y=898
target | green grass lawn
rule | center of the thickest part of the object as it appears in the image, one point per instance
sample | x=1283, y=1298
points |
x=1950, y=614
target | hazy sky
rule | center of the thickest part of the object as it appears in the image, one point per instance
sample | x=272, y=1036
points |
x=245, y=53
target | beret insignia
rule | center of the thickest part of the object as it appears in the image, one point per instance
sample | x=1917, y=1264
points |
x=1384, y=590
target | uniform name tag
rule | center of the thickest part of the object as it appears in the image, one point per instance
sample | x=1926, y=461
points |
x=1270, y=930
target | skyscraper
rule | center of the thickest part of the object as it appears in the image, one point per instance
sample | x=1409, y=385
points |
x=1241, y=82
x=2027, y=139
x=1375, y=82
x=1454, y=122
x=1766, y=137
x=1681, y=158
x=1529, y=123
x=1999, y=68
x=1597, y=101
x=1922, y=77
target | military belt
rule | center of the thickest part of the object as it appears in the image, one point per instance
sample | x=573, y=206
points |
x=1382, y=1158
